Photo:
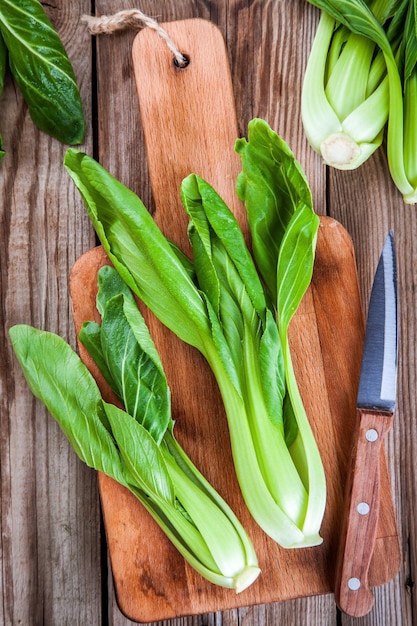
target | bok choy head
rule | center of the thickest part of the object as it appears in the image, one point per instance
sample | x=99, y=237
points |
x=237, y=318
x=360, y=75
x=136, y=446
x=345, y=96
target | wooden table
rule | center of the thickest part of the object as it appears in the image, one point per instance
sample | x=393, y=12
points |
x=54, y=558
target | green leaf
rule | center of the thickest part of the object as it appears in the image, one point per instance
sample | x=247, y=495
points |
x=290, y=427
x=184, y=260
x=126, y=355
x=272, y=371
x=209, y=214
x=225, y=272
x=90, y=337
x=415, y=14
x=357, y=16
x=222, y=352
x=385, y=10
x=42, y=70
x=141, y=454
x=139, y=251
x=395, y=26
x=410, y=43
x=141, y=386
x=57, y=376
x=272, y=185
x=295, y=263
x=111, y=284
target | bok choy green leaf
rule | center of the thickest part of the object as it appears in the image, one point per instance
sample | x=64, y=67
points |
x=137, y=446
x=42, y=70
x=219, y=304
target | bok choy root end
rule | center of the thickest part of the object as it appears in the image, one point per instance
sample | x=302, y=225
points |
x=236, y=318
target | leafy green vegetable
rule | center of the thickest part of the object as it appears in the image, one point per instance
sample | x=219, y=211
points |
x=42, y=70
x=272, y=178
x=132, y=365
x=345, y=97
x=57, y=376
x=273, y=186
x=407, y=153
x=219, y=305
x=375, y=91
x=136, y=447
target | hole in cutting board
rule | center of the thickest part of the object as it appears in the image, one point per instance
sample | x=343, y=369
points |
x=182, y=65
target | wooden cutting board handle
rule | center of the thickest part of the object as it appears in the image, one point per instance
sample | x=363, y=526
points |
x=195, y=127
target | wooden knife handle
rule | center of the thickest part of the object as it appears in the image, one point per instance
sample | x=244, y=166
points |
x=361, y=511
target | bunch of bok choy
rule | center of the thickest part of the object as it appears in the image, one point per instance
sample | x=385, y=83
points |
x=359, y=80
x=135, y=446
x=219, y=304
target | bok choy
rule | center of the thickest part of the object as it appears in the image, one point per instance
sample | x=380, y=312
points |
x=224, y=309
x=359, y=79
x=41, y=69
x=345, y=96
x=136, y=446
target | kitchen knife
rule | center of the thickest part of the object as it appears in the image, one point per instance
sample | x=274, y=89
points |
x=374, y=418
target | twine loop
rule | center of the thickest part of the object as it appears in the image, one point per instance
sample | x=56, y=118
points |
x=132, y=18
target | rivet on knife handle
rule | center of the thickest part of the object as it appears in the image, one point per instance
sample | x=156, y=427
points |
x=360, y=521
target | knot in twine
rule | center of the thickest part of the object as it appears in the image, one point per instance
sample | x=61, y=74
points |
x=131, y=18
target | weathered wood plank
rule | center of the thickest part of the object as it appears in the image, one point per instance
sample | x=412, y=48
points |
x=50, y=570
x=49, y=513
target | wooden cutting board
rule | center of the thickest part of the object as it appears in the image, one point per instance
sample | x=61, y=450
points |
x=190, y=125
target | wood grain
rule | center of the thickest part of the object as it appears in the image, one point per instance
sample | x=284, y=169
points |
x=51, y=565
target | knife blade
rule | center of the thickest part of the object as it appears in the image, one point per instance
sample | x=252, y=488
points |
x=374, y=418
